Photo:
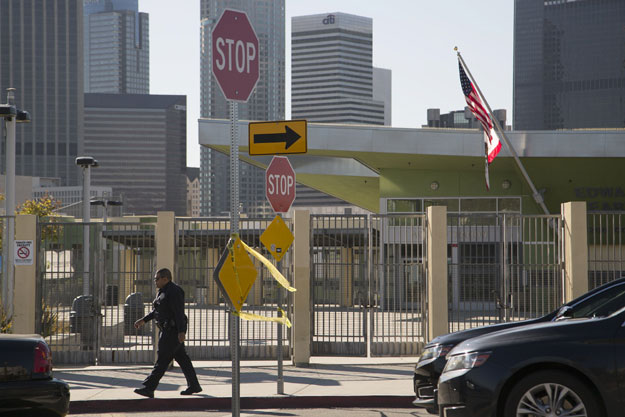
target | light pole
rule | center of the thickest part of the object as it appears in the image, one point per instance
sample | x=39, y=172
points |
x=86, y=162
x=11, y=115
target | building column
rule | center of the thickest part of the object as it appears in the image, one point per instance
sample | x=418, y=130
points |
x=575, y=249
x=25, y=278
x=438, y=320
x=302, y=337
x=166, y=241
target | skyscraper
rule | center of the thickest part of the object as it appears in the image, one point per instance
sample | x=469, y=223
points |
x=265, y=103
x=41, y=56
x=140, y=142
x=569, y=64
x=116, y=47
x=332, y=70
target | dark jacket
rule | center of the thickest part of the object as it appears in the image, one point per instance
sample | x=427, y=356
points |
x=169, y=308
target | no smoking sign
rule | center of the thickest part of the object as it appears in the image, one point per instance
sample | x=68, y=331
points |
x=23, y=252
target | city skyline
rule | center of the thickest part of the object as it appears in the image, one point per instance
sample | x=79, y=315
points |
x=414, y=39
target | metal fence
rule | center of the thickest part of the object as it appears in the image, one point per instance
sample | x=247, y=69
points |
x=87, y=310
x=503, y=267
x=367, y=284
x=606, y=250
x=200, y=244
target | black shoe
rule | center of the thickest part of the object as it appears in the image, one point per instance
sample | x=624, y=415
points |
x=191, y=390
x=145, y=392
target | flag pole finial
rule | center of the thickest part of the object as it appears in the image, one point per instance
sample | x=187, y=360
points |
x=456, y=48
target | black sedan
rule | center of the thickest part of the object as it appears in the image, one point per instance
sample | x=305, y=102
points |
x=433, y=359
x=27, y=387
x=573, y=367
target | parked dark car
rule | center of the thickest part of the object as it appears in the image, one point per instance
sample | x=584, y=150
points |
x=27, y=386
x=434, y=356
x=573, y=367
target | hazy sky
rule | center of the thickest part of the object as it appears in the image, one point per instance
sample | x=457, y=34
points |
x=413, y=38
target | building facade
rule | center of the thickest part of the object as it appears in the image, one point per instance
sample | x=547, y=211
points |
x=568, y=64
x=41, y=57
x=193, y=192
x=462, y=119
x=266, y=103
x=116, y=47
x=332, y=70
x=140, y=142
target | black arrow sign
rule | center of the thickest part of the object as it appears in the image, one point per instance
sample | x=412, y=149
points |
x=289, y=137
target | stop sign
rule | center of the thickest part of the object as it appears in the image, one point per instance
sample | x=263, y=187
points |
x=280, y=184
x=235, y=55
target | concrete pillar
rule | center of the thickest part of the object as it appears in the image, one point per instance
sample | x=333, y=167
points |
x=575, y=249
x=25, y=278
x=436, y=221
x=166, y=241
x=302, y=337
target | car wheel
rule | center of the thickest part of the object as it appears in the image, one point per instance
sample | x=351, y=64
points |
x=551, y=393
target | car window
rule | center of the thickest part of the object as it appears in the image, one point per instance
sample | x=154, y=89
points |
x=601, y=304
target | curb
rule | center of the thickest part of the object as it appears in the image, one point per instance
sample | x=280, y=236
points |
x=225, y=403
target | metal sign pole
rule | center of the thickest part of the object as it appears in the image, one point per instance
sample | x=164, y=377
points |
x=235, y=351
x=280, y=361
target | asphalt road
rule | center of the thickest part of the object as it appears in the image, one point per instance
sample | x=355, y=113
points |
x=309, y=412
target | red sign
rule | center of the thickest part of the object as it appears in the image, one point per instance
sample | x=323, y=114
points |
x=235, y=55
x=280, y=184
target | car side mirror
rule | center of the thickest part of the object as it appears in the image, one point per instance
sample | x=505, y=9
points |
x=564, y=312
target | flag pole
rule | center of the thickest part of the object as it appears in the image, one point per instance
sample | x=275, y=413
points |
x=538, y=198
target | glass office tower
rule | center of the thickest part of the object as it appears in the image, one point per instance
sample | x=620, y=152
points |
x=569, y=64
x=116, y=47
x=41, y=56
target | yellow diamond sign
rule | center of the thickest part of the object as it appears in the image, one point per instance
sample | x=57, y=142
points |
x=235, y=274
x=277, y=238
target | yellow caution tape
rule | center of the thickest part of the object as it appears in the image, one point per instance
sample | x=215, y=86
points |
x=283, y=319
x=274, y=271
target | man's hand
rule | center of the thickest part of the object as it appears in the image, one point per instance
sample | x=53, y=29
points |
x=139, y=323
x=181, y=337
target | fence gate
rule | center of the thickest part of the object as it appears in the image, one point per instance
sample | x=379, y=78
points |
x=503, y=267
x=200, y=243
x=367, y=284
x=87, y=310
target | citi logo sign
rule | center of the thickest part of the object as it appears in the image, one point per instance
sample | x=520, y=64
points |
x=328, y=20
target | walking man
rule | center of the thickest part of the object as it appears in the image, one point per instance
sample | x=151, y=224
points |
x=169, y=315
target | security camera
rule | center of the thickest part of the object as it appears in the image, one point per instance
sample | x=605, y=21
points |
x=86, y=161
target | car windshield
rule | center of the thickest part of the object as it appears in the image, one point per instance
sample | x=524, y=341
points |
x=601, y=304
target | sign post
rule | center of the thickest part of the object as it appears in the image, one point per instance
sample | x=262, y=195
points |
x=235, y=65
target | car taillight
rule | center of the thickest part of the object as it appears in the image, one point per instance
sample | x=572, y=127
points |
x=42, y=363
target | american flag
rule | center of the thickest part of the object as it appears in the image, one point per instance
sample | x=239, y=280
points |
x=491, y=139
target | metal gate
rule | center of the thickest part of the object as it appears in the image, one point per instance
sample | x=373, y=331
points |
x=368, y=284
x=200, y=243
x=503, y=267
x=88, y=308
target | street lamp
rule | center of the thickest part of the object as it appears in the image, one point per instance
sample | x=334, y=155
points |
x=11, y=115
x=106, y=203
x=86, y=163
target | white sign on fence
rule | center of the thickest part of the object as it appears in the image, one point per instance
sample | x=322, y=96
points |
x=23, y=252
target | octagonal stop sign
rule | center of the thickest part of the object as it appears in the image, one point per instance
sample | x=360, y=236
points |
x=280, y=184
x=235, y=55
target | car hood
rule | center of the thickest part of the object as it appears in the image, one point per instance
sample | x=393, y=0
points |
x=457, y=337
x=530, y=333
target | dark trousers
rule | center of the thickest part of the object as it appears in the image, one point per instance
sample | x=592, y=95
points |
x=170, y=348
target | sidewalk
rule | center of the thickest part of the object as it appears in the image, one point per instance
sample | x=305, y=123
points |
x=327, y=382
